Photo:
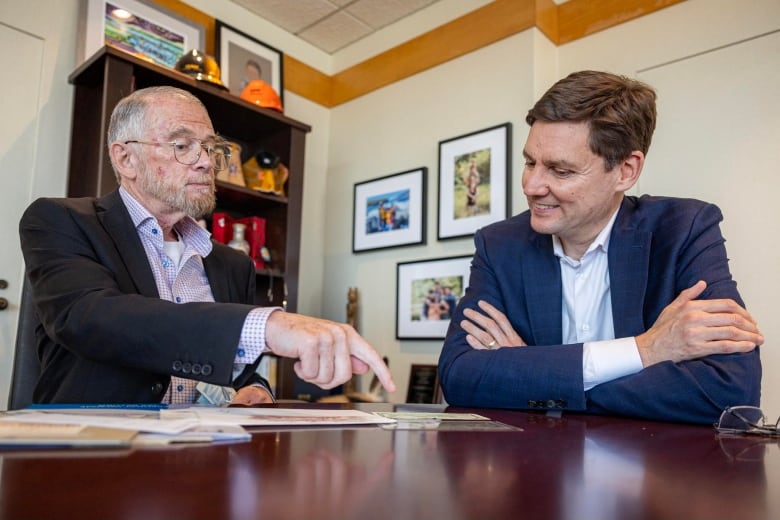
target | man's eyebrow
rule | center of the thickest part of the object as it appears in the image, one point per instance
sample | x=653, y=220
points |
x=561, y=163
x=186, y=132
x=552, y=163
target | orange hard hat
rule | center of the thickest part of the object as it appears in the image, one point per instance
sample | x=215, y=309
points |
x=262, y=94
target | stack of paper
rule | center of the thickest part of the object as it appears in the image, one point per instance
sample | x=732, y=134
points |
x=112, y=426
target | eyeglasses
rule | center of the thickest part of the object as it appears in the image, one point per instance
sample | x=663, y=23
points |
x=187, y=151
x=746, y=419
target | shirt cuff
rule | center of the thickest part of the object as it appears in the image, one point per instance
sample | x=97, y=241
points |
x=252, y=341
x=604, y=361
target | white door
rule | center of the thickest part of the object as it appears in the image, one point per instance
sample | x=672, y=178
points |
x=20, y=100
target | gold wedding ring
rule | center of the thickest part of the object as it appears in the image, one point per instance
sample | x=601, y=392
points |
x=490, y=345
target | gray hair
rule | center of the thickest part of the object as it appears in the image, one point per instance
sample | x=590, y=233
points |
x=128, y=120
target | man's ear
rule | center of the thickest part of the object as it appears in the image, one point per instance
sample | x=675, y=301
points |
x=125, y=162
x=630, y=170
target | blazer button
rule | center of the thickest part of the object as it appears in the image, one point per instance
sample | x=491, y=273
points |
x=157, y=388
x=206, y=370
x=196, y=369
x=186, y=367
x=177, y=366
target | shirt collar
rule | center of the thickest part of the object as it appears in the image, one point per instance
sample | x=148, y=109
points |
x=188, y=229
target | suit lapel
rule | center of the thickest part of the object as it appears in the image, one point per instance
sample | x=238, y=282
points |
x=113, y=215
x=629, y=258
x=542, y=276
x=216, y=273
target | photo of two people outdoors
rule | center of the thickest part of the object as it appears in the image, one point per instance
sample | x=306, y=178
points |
x=435, y=298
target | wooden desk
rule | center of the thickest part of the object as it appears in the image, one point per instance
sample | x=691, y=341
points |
x=578, y=467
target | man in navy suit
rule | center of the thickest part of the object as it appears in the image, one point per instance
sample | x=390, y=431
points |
x=593, y=300
x=137, y=304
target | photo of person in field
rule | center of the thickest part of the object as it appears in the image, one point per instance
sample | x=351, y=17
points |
x=472, y=184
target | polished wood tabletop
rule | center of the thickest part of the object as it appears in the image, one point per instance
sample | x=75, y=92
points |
x=572, y=467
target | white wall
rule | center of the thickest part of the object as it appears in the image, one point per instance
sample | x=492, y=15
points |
x=313, y=224
x=398, y=128
x=36, y=105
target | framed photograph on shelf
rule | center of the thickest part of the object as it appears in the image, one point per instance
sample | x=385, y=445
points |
x=142, y=29
x=389, y=211
x=243, y=58
x=427, y=292
x=474, y=181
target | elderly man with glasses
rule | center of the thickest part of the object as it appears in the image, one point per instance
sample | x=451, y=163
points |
x=137, y=304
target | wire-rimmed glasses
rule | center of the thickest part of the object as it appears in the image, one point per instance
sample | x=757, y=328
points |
x=746, y=419
x=187, y=150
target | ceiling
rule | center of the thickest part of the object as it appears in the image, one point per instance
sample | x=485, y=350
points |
x=331, y=25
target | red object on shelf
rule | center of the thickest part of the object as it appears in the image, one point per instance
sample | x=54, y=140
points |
x=222, y=232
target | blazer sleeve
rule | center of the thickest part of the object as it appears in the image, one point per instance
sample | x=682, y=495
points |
x=691, y=248
x=88, y=299
x=545, y=374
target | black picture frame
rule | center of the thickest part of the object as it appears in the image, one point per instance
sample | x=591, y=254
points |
x=234, y=52
x=484, y=158
x=423, y=307
x=389, y=211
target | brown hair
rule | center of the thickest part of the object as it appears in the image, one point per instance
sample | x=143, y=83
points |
x=620, y=112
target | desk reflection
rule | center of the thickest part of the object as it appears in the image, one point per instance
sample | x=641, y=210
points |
x=574, y=467
x=307, y=475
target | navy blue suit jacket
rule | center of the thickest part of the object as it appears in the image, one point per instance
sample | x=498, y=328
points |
x=658, y=247
x=105, y=336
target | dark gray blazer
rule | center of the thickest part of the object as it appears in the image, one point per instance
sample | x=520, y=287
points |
x=105, y=336
x=658, y=247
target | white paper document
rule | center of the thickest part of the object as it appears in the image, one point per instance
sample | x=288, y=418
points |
x=274, y=416
x=117, y=419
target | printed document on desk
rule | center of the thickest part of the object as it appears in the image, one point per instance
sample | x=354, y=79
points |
x=105, y=426
x=120, y=419
x=275, y=416
x=18, y=435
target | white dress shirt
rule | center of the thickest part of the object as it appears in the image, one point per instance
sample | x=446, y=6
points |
x=587, y=313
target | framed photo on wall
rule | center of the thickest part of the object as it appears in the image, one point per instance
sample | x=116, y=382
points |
x=427, y=292
x=389, y=211
x=243, y=59
x=141, y=29
x=474, y=181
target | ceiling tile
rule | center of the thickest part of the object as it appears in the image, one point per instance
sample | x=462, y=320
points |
x=291, y=15
x=335, y=32
x=379, y=13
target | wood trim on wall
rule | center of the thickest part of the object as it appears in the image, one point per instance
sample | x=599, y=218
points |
x=580, y=18
x=560, y=23
x=484, y=26
x=490, y=23
x=307, y=81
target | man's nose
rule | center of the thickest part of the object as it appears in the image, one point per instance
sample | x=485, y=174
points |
x=204, y=161
x=533, y=181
